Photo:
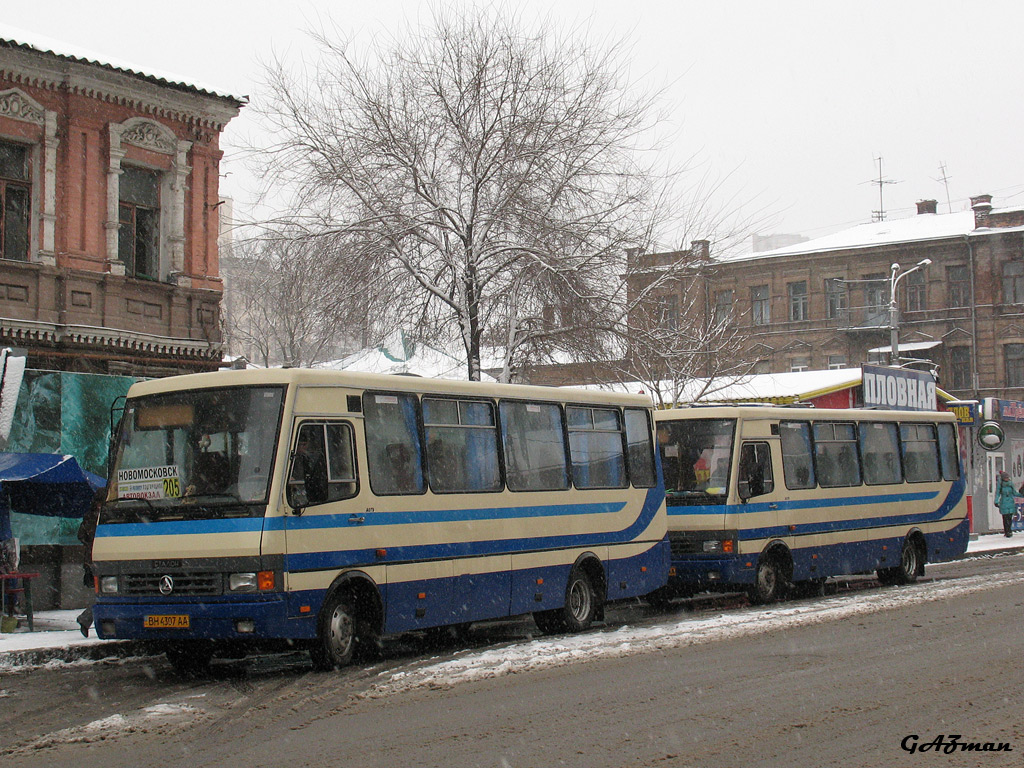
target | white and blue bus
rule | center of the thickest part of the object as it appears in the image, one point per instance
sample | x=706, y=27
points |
x=329, y=509
x=771, y=499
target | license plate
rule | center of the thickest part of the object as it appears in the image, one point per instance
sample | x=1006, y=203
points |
x=166, y=622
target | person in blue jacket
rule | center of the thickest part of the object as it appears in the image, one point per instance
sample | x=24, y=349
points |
x=1006, y=501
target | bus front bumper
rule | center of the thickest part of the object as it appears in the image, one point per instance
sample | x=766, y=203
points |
x=254, y=618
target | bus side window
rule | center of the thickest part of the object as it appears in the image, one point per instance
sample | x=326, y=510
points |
x=755, y=478
x=393, y=452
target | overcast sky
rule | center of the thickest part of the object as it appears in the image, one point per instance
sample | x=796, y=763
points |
x=795, y=100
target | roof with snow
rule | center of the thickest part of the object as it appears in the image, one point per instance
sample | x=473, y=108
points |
x=399, y=355
x=780, y=388
x=13, y=37
x=918, y=228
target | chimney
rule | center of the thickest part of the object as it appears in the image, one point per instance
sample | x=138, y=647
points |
x=927, y=206
x=701, y=249
x=982, y=206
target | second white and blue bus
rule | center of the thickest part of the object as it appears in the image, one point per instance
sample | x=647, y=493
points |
x=772, y=500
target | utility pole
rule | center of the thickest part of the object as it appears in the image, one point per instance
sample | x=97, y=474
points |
x=881, y=181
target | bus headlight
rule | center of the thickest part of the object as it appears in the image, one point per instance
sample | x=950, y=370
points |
x=262, y=581
x=242, y=582
x=108, y=585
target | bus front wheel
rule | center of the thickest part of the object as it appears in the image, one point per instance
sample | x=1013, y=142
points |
x=769, y=582
x=190, y=659
x=336, y=643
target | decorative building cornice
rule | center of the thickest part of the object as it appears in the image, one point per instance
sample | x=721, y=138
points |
x=192, y=107
x=109, y=338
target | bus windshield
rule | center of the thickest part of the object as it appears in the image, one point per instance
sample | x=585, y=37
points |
x=695, y=459
x=196, y=450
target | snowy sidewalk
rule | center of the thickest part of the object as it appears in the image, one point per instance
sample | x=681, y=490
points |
x=57, y=635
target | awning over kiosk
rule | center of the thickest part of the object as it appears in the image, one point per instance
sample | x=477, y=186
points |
x=44, y=484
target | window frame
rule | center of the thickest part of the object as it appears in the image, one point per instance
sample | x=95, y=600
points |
x=958, y=286
x=1012, y=278
x=862, y=431
x=1013, y=364
x=822, y=442
x=919, y=427
x=23, y=185
x=492, y=428
x=594, y=430
x=370, y=436
x=761, y=305
x=129, y=238
x=352, y=481
x=837, y=299
x=812, y=481
x=512, y=473
x=799, y=303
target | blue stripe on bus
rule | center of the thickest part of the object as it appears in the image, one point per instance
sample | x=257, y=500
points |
x=445, y=515
x=248, y=524
x=955, y=495
x=310, y=561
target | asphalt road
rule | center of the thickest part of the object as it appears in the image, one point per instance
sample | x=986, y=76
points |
x=846, y=691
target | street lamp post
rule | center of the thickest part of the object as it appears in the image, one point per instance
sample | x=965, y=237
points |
x=894, y=328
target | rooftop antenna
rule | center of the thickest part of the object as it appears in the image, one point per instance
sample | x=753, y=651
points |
x=945, y=179
x=881, y=181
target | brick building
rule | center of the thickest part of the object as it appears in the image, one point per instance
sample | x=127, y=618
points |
x=108, y=213
x=824, y=303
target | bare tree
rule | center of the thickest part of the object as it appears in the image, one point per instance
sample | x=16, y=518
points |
x=288, y=305
x=679, y=338
x=486, y=175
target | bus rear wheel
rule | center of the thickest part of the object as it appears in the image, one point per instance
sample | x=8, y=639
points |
x=580, y=609
x=336, y=642
x=911, y=566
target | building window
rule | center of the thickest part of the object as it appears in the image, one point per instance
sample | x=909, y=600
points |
x=876, y=300
x=959, y=282
x=139, y=216
x=15, y=193
x=917, y=292
x=837, y=299
x=800, y=364
x=1013, y=282
x=760, y=305
x=723, y=307
x=668, y=311
x=762, y=366
x=835, y=362
x=797, y=301
x=1014, y=354
x=960, y=368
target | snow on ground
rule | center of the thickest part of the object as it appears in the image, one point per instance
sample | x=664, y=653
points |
x=628, y=641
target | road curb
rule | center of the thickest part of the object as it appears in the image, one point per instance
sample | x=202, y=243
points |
x=114, y=649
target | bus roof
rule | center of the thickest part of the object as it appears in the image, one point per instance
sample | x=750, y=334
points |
x=353, y=380
x=757, y=411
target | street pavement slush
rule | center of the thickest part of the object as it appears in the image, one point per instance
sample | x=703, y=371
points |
x=57, y=636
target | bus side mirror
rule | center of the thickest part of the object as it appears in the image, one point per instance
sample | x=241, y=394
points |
x=743, y=488
x=297, y=497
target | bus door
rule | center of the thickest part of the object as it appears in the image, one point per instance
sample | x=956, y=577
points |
x=325, y=525
x=760, y=490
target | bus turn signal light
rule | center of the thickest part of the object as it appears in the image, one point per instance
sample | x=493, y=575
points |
x=265, y=581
